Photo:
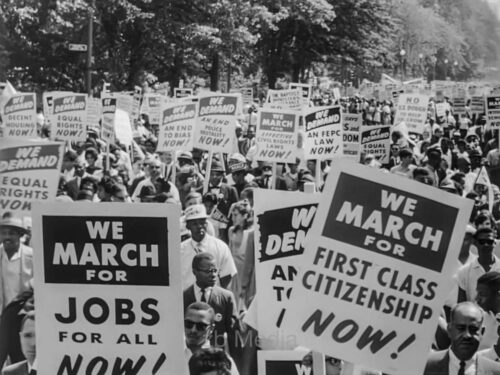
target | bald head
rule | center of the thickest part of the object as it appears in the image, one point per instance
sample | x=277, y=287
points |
x=468, y=309
x=465, y=329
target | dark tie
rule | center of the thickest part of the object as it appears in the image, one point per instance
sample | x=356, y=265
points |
x=203, y=299
x=461, y=370
x=32, y=372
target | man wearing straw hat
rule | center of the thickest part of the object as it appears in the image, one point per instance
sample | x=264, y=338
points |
x=201, y=241
x=16, y=260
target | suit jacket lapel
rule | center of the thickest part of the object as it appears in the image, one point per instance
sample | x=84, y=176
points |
x=444, y=363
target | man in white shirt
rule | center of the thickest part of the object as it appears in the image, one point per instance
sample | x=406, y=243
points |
x=465, y=332
x=199, y=320
x=467, y=276
x=201, y=241
x=16, y=260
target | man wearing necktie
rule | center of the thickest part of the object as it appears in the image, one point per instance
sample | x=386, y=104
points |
x=27, y=336
x=221, y=300
x=226, y=195
x=202, y=242
x=465, y=331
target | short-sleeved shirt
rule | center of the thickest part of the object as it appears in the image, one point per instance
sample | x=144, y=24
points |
x=223, y=258
x=468, y=275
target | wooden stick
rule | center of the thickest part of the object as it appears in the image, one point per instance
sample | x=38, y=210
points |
x=319, y=177
x=274, y=175
x=207, y=172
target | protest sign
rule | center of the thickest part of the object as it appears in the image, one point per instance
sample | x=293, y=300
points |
x=276, y=135
x=177, y=127
x=336, y=93
x=305, y=89
x=216, y=122
x=124, y=101
x=182, y=92
x=283, y=221
x=69, y=116
x=110, y=280
x=376, y=268
x=459, y=103
x=493, y=111
x=284, y=99
x=395, y=95
x=351, y=135
x=19, y=116
x=282, y=362
x=441, y=109
x=247, y=95
x=477, y=105
x=94, y=113
x=136, y=104
x=123, y=130
x=323, y=133
x=412, y=110
x=151, y=106
x=29, y=171
x=376, y=141
x=108, y=119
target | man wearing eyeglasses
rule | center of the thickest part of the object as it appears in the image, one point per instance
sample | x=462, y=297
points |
x=199, y=324
x=221, y=300
x=468, y=275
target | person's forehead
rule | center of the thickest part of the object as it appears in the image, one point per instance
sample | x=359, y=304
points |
x=198, y=316
x=207, y=263
x=484, y=289
x=196, y=221
x=29, y=325
x=467, y=317
x=10, y=230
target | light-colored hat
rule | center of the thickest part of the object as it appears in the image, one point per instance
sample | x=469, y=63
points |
x=196, y=211
x=237, y=162
x=13, y=222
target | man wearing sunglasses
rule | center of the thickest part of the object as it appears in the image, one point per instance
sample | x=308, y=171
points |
x=221, y=300
x=468, y=275
x=199, y=323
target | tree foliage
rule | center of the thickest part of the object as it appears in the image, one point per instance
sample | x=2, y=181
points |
x=211, y=39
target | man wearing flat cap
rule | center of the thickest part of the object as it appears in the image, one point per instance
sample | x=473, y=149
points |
x=16, y=260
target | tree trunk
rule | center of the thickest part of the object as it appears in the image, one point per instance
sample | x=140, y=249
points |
x=214, y=72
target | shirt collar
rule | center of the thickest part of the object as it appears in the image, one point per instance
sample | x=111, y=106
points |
x=202, y=243
x=456, y=362
x=197, y=289
x=476, y=262
x=16, y=256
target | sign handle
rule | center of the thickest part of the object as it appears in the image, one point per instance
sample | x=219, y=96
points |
x=319, y=177
x=107, y=159
x=207, y=172
x=174, y=168
x=275, y=170
x=318, y=364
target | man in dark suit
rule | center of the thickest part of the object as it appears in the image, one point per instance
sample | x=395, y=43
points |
x=226, y=197
x=465, y=331
x=28, y=347
x=267, y=180
x=221, y=300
